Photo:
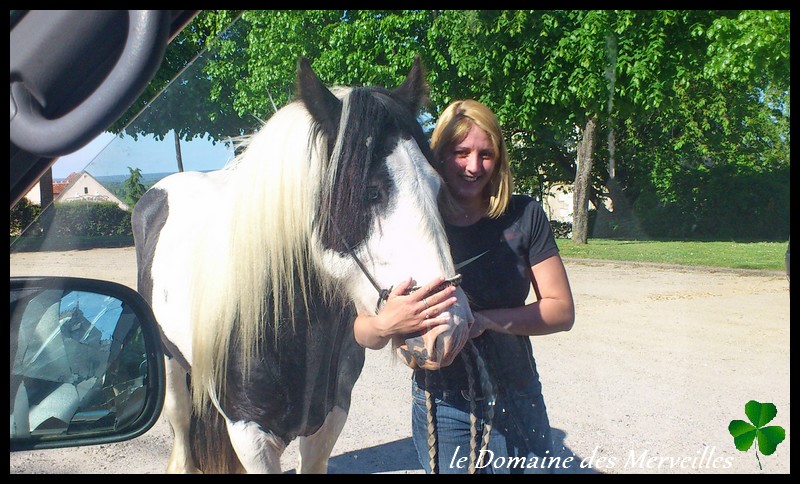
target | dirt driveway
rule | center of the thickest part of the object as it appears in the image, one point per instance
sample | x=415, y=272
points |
x=659, y=362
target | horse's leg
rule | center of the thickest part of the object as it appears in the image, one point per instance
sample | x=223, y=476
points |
x=315, y=449
x=178, y=410
x=259, y=452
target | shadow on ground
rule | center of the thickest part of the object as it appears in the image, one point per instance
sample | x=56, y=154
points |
x=400, y=457
x=576, y=464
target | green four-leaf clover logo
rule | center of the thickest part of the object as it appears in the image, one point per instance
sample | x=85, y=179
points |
x=744, y=433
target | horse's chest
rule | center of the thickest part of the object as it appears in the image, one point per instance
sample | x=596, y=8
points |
x=301, y=374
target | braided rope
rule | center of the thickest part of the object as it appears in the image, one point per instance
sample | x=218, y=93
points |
x=430, y=405
x=488, y=390
x=487, y=387
x=473, y=418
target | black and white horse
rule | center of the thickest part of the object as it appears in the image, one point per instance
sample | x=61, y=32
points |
x=255, y=272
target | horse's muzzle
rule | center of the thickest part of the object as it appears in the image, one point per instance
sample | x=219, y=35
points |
x=415, y=355
x=413, y=349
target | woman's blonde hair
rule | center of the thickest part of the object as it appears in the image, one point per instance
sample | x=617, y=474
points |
x=452, y=127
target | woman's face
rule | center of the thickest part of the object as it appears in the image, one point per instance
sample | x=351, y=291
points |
x=468, y=166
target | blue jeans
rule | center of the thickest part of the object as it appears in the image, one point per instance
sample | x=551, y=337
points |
x=519, y=439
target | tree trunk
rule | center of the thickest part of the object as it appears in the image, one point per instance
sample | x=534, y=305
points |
x=580, y=193
x=178, y=151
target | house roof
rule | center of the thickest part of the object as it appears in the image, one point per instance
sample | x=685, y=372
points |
x=59, y=186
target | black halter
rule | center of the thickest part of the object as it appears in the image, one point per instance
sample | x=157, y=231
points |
x=383, y=294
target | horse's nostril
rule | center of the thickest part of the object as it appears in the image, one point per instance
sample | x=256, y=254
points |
x=414, y=350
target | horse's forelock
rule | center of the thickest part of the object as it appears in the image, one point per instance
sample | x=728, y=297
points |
x=371, y=127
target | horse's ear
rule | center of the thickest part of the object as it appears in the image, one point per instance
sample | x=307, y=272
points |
x=413, y=92
x=323, y=105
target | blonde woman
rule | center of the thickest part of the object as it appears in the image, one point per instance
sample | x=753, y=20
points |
x=503, y=246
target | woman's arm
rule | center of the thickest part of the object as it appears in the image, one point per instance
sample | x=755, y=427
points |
x=404, y=314
x=554, y=310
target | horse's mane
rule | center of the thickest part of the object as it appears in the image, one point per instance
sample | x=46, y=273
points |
x=258, y=253
x=297, y=187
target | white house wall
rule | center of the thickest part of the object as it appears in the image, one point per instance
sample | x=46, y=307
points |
x=88, y=189
x=558, y=203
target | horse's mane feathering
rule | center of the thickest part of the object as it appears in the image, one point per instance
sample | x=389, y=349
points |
x=260, y=247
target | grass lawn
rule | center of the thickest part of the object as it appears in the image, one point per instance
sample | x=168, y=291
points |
x=736, y=255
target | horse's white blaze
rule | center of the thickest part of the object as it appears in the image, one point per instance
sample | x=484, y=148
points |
x=407, y=240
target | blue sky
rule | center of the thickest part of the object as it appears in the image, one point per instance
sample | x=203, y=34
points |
x=112, y=155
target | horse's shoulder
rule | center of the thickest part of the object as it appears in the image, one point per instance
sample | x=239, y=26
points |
x=192, y=189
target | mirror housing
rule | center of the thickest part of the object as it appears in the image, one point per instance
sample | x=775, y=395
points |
x=87, y=366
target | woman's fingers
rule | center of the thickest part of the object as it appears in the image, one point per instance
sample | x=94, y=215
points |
x=402, y=287
x=438, y=309
x=422, y=304
x=443, y=297
x=437, y=302
x=427, y=289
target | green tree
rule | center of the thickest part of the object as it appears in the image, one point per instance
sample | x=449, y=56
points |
x=346, y=47
x=641, y=107
x=23, y=214
x=717, y=153
x=133, y=187
x=556, y=80
x=631, y=88
x=215, y=118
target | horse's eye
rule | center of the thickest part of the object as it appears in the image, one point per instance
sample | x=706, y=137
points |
x=373, y=194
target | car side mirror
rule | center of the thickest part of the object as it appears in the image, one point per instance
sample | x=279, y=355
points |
x=86, y=363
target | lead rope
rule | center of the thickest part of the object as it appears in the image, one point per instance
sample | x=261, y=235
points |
x=430, y=405
x=489, y=393
x=487, y=388
x=473, y=418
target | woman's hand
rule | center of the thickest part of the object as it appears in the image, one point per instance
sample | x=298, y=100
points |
x=403, y=314
x=407, y=314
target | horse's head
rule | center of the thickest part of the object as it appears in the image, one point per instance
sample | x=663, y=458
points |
x=377, y=220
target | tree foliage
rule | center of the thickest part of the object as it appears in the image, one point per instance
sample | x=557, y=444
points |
x=687, y=109
x=133, y=187
x=210, y=114
x=23, y=214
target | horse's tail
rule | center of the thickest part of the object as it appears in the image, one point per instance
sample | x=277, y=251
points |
x=211, y=445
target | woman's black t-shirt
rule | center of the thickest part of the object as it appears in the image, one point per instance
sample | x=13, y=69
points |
x=495, y=256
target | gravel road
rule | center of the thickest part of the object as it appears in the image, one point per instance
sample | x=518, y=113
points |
x=659, y=362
